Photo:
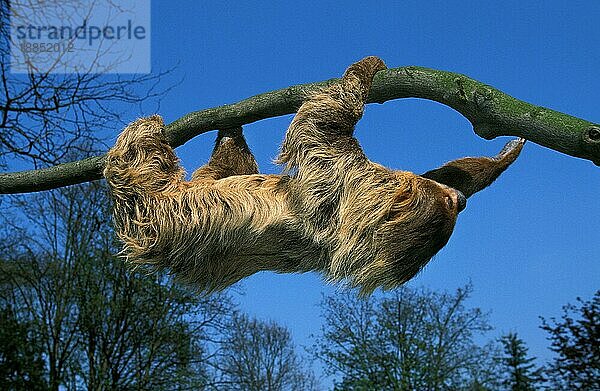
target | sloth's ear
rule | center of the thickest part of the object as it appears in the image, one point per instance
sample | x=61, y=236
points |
x=472, y=174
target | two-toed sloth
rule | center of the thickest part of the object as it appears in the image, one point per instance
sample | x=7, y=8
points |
x=332, y=211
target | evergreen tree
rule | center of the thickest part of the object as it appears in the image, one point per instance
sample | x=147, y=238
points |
x=521, y=371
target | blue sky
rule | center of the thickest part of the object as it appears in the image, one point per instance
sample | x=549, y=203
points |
x=529, y=243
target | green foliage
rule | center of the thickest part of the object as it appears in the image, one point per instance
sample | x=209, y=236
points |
x=21, y=362
x=95, y=324
x=409, y=340
x=574, y=338
x=519, y=370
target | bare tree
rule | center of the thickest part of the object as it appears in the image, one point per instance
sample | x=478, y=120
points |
x=259, y=356
x=46, y=117
x=409, y=340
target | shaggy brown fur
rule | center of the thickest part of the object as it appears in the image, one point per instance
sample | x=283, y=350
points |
x=333, y=211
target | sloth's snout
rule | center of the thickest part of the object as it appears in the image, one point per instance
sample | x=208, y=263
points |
x=455, y=199
x=461, y=202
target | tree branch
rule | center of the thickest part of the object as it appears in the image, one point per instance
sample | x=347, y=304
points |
x=491, y=112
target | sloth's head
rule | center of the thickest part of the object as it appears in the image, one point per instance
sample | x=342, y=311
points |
x=419, y=223
x=422, y=213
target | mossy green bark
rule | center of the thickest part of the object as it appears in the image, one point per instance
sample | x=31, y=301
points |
x=491, y=112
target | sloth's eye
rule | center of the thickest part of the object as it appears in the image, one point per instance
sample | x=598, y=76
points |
x=391, y=215
x=449, y=202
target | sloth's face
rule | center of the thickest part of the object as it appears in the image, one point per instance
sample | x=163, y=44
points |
x=419, y=224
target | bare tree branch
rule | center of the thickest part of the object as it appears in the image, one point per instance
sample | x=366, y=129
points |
x=491, y=112
x=47, y=117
